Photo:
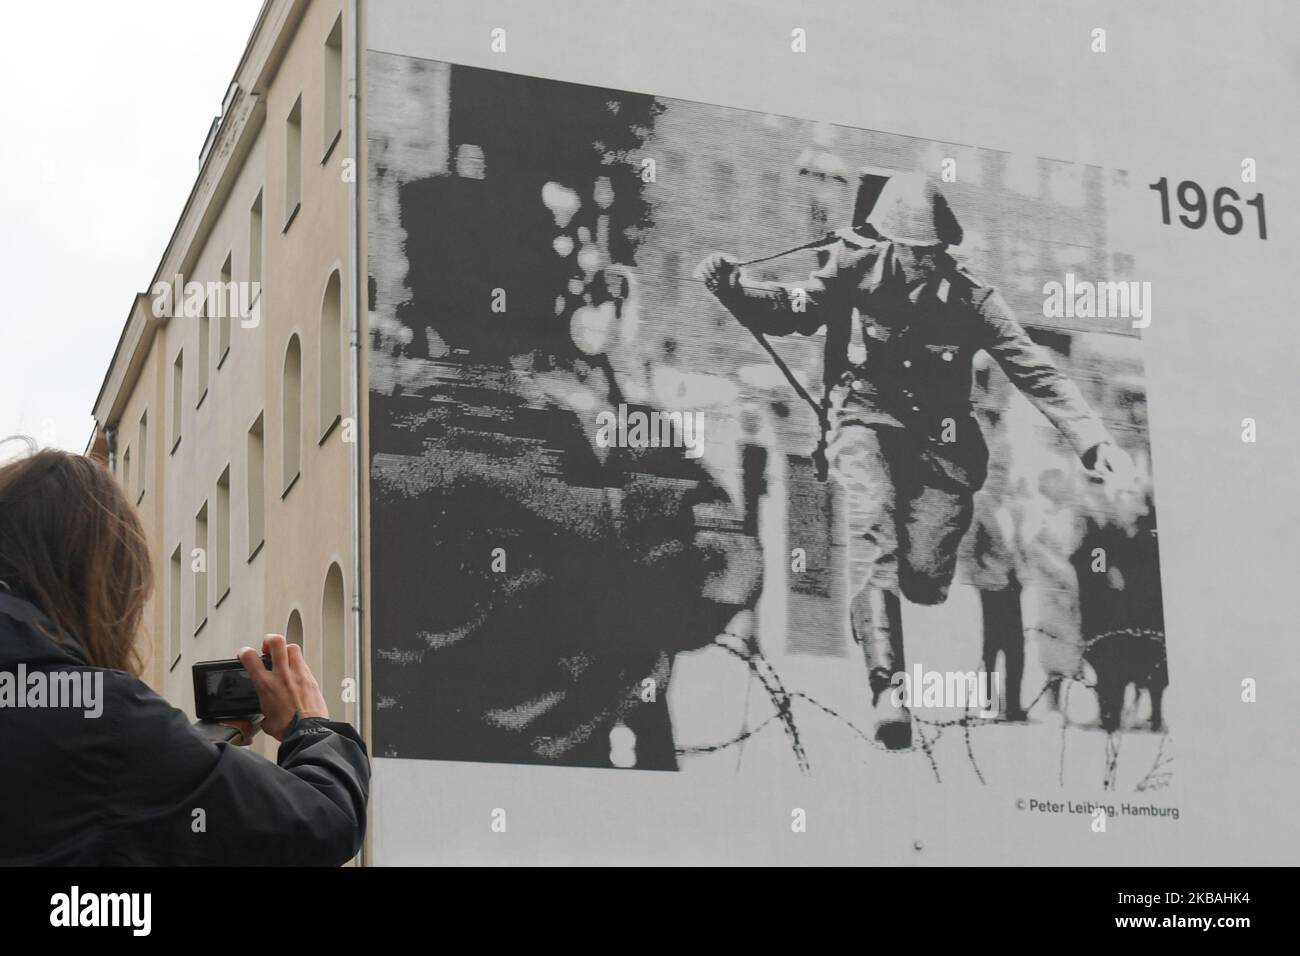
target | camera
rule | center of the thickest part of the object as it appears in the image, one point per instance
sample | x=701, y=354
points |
x=223, y=689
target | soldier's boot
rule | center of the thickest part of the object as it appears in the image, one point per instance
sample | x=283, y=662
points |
x=878, y=627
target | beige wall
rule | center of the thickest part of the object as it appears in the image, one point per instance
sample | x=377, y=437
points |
x=213, y=437
x=307, y=529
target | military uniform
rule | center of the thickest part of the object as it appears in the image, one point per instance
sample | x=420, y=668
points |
x=904, y=443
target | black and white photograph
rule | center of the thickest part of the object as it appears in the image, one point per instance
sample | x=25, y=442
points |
x=734, y=443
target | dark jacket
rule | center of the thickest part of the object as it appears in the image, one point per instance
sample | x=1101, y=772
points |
x=920, y=327
x=138, y=784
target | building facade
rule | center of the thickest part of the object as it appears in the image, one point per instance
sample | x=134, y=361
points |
x=225, y=411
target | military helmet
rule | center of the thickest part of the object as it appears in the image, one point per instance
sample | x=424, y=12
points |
x=912, y=209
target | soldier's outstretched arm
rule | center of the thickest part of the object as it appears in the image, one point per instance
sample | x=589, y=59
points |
x=774, y=308
x=1032, y=371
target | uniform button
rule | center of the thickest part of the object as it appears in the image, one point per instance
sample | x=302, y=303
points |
x=947, y=356
x=915, y=409
x=907, y=363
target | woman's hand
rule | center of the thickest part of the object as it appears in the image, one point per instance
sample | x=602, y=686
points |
x=288, y=687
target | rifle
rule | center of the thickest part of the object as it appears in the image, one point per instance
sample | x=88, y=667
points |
x=821, y=408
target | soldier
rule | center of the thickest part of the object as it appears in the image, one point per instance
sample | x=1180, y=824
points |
x=904, y=444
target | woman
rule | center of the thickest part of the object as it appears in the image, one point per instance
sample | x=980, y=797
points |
x=99, y=769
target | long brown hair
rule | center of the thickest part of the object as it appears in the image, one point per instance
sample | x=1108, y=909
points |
x=72, y=544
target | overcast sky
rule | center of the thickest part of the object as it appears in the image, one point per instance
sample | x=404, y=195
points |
x=104, y=111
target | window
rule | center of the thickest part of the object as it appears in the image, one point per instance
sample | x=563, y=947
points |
x=142, y=451
x=178, y=380
x=331, y=357
x=174, y=609
x=199, y=565
x=293, y=632
x=228, y=301
x=221, y=546
x=291, y=414
x=293, y=162
x=334, y=650
x=332, y=127
x=256, y=489
x=126, y=470
x=255, y=247
x=205, y=343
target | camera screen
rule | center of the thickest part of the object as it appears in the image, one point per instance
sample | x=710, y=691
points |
x=230, y=688
x=224, y=689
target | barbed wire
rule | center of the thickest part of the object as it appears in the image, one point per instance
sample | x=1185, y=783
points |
x=1056, y=685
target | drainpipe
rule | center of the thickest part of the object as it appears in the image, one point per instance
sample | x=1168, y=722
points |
x=354, y=355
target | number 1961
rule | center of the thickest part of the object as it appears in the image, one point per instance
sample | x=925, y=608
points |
x=1226, y=215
